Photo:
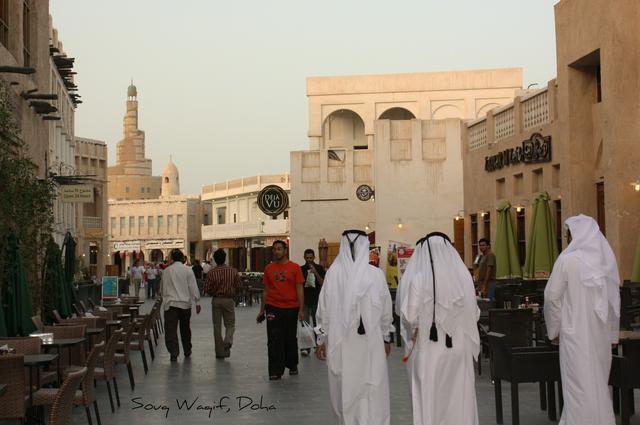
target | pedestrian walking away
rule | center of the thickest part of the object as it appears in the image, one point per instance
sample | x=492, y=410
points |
x=313, y=275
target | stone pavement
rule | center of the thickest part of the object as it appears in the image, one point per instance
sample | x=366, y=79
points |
x=237, y=390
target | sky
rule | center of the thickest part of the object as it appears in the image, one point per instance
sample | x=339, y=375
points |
x=221, y=84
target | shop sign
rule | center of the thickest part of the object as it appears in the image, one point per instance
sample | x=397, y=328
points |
x=164, y=244
x=126, y=246
x=273, y=200
x=533, y=151
x=77, y=193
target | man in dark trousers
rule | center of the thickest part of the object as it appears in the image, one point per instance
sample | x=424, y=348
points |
x=179, y=290
x=313, y=278
x=282, y=306
x=222, y=283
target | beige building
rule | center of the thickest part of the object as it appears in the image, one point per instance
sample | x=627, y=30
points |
x=131, y=177
x=91, y=217
x=237, y=224
x=398, y=134
x=147, y=229
x=24, y=46
x=590, y=114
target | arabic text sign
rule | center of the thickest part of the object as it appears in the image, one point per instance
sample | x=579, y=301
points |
x=77, y=193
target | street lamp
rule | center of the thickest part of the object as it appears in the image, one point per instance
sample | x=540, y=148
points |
x=636, y=185
x=400, y=225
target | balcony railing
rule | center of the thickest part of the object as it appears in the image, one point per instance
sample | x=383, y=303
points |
x=92, y=222
x=245, y=230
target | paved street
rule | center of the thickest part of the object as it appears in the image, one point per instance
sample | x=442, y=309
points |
x=202, y=381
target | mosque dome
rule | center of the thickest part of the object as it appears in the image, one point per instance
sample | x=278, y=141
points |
x=170, y=180
x=132, y=91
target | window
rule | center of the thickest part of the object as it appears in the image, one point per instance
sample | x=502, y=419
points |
x=521, y=235
x=140, y=224
x=150, y=225
x=558, y=205
x=222, y=214
x=26, y=33
x=205, y=220
x=142, y=190
x=148, y=190
x=536, y=180
x=132, y=223
x=166, y=179
x=126, y=189
x=160, y=223
x=474, y=235
x=486, y=221
x=113, y=225
x=518, y=184
x=285, y=215
x=4, y=22
x=500, y=188
x=169, y=223
x=122, y=225
x=555, y=176
x=180, y=222
x=234, y=217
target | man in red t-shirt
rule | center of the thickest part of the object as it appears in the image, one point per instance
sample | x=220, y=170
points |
x=283, y=306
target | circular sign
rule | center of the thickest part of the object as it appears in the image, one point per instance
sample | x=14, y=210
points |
x=364, y=192
x=273, y=200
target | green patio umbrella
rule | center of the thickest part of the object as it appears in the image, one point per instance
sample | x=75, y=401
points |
x=69, y=246
x=17, y=298
x=54, y=287
x=635, y=274
x=542, y=248
x=3, y=326
x=506, y=247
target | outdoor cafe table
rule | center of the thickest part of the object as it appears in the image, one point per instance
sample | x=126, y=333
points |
x=35, y=361
x=58, y=343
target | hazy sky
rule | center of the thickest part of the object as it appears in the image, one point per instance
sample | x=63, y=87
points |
x=221, y=85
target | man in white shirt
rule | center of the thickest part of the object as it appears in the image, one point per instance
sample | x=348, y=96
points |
x=179, y=289
x=137, y=273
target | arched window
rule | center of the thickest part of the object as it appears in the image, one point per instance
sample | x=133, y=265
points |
x=397, y=113
x=343, y=129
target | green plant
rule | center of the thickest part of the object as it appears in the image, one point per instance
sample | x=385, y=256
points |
x=25, y=200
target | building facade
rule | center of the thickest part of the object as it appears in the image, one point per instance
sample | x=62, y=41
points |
x=398, y=134
x=147, y=229
x=131, y=177
x=91, y=217
x=590, y=114
x=238, y=226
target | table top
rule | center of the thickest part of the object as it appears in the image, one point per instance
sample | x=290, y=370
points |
x=629, y=335
x=31, y=360
x=94, y=331
x=64, y=342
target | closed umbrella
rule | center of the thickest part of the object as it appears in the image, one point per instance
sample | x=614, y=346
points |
x=69, y=246
x=18, y=308
x=506, y=248
x=635, y=274
x=55, y=297
x=3, y=327
x=542, y=249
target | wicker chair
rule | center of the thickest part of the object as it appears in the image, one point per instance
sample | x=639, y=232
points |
x=122, y=352
x=85, y=396
x=61, y=411
x=89, y=322
x=64, y=332
x=30, y=345
x=106, y=372
x=138, y=339
x=108, y=315
x=12, y=403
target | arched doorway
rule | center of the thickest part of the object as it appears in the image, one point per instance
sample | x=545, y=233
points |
x=344, y=129
x=157, y=256
x=116, y=259
x=397, y=113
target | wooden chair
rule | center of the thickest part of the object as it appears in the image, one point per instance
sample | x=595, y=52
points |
x=12, y=402
x=522, y=364
x=105, y=372
x=62, y=409
x=122, y=352
x=624, y=377
x=85, y=396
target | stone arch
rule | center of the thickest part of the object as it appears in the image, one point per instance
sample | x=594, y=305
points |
x=482, y=111
x=343, y=128
x=446, y=111
x=397, y=113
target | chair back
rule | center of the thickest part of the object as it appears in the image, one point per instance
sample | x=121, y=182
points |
x=37, y=322
x=66, y=332
x=500, y=356
x=82, y=306
x=109, y=354
x=12, y=374
x=91, y=304
x=108, y=315
x=631, y=353
x=62, y=409
x=23, y=344
x=88, y=390
x=126, y=339
x=56, y=316
x=515, y=324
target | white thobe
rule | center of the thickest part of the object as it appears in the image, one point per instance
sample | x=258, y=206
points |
x=443, y=379
x=358, y=376
x=585, y=345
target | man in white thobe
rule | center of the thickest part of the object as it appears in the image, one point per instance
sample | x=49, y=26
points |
x=439, y=315
x=354, y=321
x=582, y=309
